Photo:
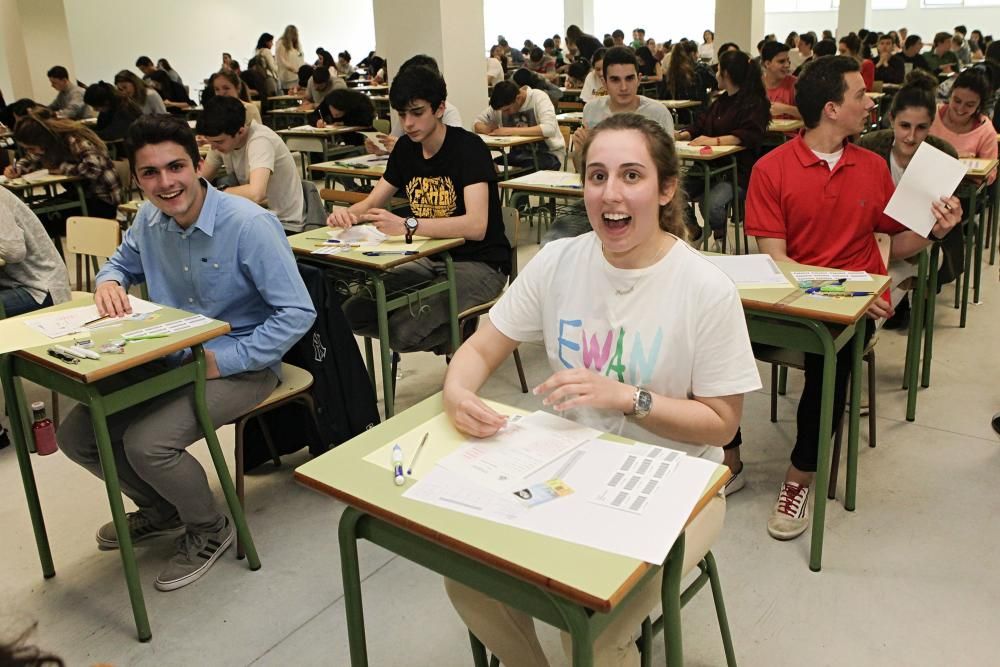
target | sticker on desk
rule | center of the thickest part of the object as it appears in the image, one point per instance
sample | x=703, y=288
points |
x=640, y=474
x=168, y=328
x=854, y=276
x=543, y=492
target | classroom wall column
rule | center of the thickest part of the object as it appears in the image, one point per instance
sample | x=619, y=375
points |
x=853, y=15
x=35, y=37
x=579, y=13
x=740, y=21
x=451, y=31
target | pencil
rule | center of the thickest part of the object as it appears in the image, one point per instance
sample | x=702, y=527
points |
x=416, y=455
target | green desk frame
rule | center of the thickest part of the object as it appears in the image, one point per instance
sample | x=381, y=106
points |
x=711, y=168
x=103, y=403
x=37, y=203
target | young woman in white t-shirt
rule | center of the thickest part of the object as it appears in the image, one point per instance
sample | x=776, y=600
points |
x=644, y=337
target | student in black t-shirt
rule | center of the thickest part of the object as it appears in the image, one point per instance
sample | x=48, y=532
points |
x=449, y=179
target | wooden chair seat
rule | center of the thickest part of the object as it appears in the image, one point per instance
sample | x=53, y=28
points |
x=293, y=381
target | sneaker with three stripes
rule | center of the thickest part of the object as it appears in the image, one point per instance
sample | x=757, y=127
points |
x=140, y=527
x=196, y=552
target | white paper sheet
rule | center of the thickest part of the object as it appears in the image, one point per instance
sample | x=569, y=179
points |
x=364, y=161
x=64, y=322
x=638, y=477
x=647, y=535
x=931, y=174
x=750, y=271
x=820, y=276
x=168, y=328
x=556, y=179
x=525, y=445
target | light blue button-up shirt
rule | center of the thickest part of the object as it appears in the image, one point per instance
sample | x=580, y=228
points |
x=233, y=264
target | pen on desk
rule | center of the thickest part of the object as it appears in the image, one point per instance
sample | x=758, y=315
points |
x=145, y=337
x=379, y=253
x=843, y=293
x=397, y=465
x=420, y=448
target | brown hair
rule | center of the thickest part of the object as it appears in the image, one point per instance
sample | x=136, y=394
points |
x=237, y=83
x=43, y=129
x=661, y=150
x=680, y=73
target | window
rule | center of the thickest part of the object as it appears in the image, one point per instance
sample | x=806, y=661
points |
x=772, y=6
x=889, y=4
x=960, y=3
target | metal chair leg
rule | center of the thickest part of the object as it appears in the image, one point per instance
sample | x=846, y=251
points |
x=774, y=393
x=238, y=464
x=871, y=397
x=720, y=608
x=835, y=465
x=520, y=372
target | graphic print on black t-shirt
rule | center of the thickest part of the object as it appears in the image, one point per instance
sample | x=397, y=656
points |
x=432, y=196
x=522, y=118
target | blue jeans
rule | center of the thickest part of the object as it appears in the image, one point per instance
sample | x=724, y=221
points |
x=17, y=300
x=713, y=207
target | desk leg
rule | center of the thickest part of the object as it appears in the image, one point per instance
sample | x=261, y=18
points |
x=671, y=598
x=456, y=338
x=20, y=436
x=994, y=222
x=932, y=281
x=349, y=571
x=100, y=422
x=83, y=199
x=855, y=416
x=978, y=275
x=384, y=351
x=225, y=480
x=707, y=229
x=578, y=623
x=917, y=324
x=370, y=362
x=822, y=481
x=737, y=233
x=479, y=658
x=970, y=238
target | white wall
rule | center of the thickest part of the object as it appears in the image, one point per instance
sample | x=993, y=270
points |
x=664, y=20
x=108, y=35
x=918, y=20
x=507, y=18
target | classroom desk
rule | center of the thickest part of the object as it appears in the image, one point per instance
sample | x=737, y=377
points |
x=785, y=125
x=282, y=101
x=334, y=168
x=678, y=105
x=574, y=588
x=287, y=116
x=570, y=92
x=353, y=272
x=25, y=190
x=504, y=144
x=319, y=140
x=712, y=166
x=87, y=382
x=973, y=186
x=571, y=119
x=381, y=103
x=529, y=184
x=792, y=320
x=372, y=90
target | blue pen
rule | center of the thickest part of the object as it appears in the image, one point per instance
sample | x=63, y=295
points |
x=844, y=293
x=379, y=253
x=397, y=465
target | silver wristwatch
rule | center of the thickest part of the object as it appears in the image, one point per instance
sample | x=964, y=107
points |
x=642, y=403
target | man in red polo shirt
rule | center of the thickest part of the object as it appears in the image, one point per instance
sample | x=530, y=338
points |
x=819, y=199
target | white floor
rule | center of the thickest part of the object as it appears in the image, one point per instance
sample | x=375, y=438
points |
x=908, y=578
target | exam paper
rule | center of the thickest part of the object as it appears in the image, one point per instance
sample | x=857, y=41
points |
x=750, y=271
x=64, y=322
x=364, y=161
x=167, y=328
x=645, y=535
x=931, y=174
x=638, y=477
x=556, y=179
x=823, y=276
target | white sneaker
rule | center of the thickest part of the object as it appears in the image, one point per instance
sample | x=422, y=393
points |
x=736, y=482
x=788, y=519
x=716, y=245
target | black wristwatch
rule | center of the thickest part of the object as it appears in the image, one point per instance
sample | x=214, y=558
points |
x=411, y=224
x=642, y=403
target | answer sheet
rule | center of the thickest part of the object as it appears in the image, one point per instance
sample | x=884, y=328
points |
x=750, y=271
x=931, y=174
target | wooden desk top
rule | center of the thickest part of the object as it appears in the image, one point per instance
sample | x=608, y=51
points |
x=329, y=131
x=305, y=242
x=347, y=168
x=596, y=579
x=830, y=310
x=529, y=183
x=570, y=117
x=136, y=352
x=980, y=168
x=18, y=184
x=283, y=98
x=785, y=125
x=371, y=89
x=687, y=152
x=680, y=104
x=292, y=111
x=501, y=143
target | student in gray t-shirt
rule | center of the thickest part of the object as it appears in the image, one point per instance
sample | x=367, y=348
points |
x=69, y=98
x=256, y=156
x=32, y=274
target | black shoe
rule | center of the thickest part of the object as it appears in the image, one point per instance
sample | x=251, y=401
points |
x=996, y=422
x=901, y=318
x=4, y=438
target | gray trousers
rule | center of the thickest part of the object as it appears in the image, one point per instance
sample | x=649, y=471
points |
x=150, y=443
x=425, y=326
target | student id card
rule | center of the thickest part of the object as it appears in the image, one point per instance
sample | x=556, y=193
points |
x=543, y=492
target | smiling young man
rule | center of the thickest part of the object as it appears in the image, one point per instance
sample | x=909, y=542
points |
x=449, y=180
x=208, y=253
x=779, y=82
x=256, y=156
x=819, y=199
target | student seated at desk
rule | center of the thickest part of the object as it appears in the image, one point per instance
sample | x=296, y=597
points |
x=819, y=200
x=174, y=96
x=66, y=147
x=593, y=85
x=778, y=82
x=941, y=59
x=319, y=85
x=247, y=277
x=450, y=182
x=145, y=97
x=961, y=121
x=889, y=66
x=851, y=46
x=451, y=116
x=911, y=54
x=676, y=357
x=32, y=274
x=225, y=83
x=523, y=111
x=912, y=112
x=255, y=156
x=115, y=111
x=69, y=101
x=739, y=117
x=347, y=108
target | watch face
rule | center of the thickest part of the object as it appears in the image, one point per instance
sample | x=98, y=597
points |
x=411, y=223
x=645, y=402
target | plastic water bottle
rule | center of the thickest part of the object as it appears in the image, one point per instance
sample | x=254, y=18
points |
x=44, y=431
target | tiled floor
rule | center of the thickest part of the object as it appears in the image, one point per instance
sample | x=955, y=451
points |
x=907, y=579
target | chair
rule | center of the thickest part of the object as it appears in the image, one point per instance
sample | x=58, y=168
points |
x=293, y=388
x=93, y=237
x=382, y=125
x=470, y=316
x=124, y=171
x=313, y=211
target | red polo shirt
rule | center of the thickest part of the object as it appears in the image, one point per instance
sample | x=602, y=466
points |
x=827, y=218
